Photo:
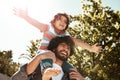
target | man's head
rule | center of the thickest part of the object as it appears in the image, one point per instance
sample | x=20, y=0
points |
x=63, y=47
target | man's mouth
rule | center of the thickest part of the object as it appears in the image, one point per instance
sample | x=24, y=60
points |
x=64, y=53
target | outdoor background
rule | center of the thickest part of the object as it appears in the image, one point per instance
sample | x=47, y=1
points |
x=101, y=22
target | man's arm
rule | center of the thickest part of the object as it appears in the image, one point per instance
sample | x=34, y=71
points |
x=74, y=74
x=37, y=59
x=94, y=48
x=20, y=74
x=27, y=69
x=24, y=15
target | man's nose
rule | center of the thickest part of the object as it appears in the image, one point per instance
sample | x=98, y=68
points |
x=66, y=49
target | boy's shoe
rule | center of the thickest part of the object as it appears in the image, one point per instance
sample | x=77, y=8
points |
x=46, y=63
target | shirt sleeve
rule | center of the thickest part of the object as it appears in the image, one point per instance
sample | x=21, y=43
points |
x=20, y=74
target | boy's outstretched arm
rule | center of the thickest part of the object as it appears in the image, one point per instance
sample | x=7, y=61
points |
x=24, y=15
x=94, y=48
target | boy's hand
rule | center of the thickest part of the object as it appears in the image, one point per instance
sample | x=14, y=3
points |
x=96, y=49
x=20, y=12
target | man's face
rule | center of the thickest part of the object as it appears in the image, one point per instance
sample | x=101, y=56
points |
x=62, y=52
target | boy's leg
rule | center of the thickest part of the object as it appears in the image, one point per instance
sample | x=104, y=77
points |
x=66, y=68
x=46, y=62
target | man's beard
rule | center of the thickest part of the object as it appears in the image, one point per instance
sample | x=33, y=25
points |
x=59, y=56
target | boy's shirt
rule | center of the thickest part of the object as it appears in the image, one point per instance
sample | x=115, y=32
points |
x=49, y=34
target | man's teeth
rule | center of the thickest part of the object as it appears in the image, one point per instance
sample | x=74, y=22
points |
x=64, y=53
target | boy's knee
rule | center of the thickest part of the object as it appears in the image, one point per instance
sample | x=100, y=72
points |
x=47, y=55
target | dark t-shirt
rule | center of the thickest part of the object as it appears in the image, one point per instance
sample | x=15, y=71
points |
x=36, y=75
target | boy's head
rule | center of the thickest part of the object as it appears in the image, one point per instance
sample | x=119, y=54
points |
x=58, y=17
x=55, y=42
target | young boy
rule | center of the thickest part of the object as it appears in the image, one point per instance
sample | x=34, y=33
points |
x=57, y=27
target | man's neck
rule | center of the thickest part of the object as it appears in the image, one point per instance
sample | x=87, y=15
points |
x=59, y=62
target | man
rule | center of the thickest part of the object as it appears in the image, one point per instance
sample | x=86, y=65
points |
x=63, y=47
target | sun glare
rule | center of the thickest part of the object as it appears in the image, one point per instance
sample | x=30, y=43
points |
x=15, y=32
x=41, y=10
x=20, y=3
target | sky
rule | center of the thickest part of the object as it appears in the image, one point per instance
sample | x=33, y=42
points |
x=16, y=33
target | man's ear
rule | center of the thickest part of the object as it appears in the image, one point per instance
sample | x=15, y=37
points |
x=53, y=50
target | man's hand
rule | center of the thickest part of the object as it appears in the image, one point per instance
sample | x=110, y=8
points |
x=74, y=74
x=49, y=72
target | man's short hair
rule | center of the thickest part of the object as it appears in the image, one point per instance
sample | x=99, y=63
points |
x=64, y=39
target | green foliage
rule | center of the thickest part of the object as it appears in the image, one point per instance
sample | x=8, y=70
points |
x=32, y=50
x=95, y=24
x=7, y=66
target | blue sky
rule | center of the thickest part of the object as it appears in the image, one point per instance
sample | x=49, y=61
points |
x=16, y=33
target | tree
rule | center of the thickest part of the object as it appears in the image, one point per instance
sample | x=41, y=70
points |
x=96, y=24
x=7, y=66
x=32, y=50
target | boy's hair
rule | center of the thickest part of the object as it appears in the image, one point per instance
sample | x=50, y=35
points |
x=58, y=16
x=65, y=39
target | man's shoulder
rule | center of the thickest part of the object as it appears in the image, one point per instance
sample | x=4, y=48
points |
x=21, y=74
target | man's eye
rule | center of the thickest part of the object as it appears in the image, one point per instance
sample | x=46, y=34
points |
x=65, y=22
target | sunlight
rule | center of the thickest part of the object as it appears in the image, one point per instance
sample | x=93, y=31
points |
x=38, y=9
x=20, y=3
x=15, y=32
x=41, y=10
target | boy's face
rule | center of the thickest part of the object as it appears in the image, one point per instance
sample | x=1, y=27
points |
x=61, y=23
x=62, y=52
